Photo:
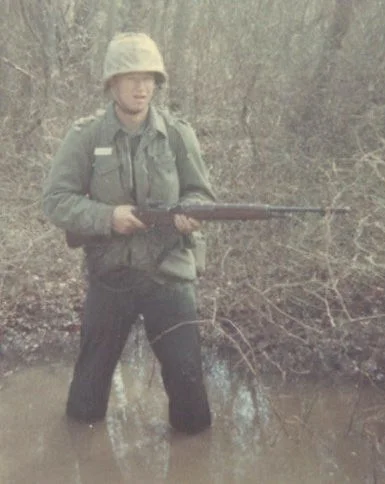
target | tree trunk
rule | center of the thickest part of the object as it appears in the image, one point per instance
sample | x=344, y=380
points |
x=180, y=88
x=324, y=72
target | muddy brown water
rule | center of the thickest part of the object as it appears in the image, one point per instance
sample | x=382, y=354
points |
x=264, y=432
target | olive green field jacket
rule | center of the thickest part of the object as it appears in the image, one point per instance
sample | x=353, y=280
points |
x=88, y=179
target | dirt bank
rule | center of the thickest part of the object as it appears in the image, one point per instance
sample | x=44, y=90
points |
x=45, y=325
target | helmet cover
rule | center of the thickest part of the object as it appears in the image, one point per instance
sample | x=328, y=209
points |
x=133, y=52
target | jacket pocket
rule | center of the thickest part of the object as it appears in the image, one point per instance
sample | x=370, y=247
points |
x=162, y=157
x=105, y=164
x=106, y=185
x=179, y=263
x=163, y=174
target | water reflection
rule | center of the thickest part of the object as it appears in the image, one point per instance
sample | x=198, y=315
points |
x=263, y=432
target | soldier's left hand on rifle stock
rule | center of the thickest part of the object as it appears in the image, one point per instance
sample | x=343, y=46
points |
x=186, y=225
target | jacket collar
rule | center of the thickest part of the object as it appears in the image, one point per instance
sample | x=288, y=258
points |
x=156, y=123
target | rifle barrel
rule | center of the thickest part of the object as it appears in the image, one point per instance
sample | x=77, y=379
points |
x=321, y=210
x=239, y=211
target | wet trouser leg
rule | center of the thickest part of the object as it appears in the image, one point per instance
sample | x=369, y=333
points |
x=104, y=332
x=171, y=325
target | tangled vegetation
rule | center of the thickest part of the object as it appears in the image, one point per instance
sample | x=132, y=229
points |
x=289, y=107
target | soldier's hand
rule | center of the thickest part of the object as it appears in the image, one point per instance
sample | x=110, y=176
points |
x=186, y=225
x=124, y=221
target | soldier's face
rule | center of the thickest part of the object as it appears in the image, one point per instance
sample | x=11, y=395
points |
x=133, y=92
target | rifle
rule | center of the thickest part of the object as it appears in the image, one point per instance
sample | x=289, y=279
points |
x=159, y=214
x=163, y=215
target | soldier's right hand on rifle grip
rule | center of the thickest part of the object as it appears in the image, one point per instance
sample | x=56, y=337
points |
x=124, y=221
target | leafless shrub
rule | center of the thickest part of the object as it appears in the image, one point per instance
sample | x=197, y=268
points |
x=289, y=108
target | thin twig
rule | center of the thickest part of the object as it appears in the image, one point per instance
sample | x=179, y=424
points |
x=16, y=67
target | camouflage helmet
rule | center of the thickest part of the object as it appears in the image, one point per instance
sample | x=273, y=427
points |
x=133, y=52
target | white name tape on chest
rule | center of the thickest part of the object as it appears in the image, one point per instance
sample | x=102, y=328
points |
x=103, y=151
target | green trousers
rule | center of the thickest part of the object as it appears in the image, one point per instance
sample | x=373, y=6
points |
x=169, y=310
